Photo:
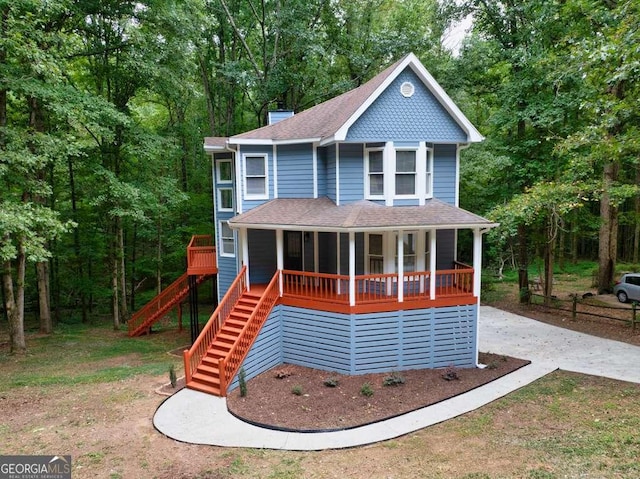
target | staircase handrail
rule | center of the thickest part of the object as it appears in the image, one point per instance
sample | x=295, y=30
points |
x=193, y=356
x=230, y=364
x=162, y=301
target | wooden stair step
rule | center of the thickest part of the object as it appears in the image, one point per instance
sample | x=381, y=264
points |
x=226, y=337
x=205, y=379
x=215, y=391
x=208, y=369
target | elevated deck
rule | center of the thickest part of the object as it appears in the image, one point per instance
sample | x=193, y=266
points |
x=201, y=256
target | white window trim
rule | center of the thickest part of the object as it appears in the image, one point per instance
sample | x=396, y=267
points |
x=367, y=186
x=218, y=162
x=416, y=255
x=248, y=196
x=416, y=174
x=220, y=190
x=428, y=170
x=221, y=239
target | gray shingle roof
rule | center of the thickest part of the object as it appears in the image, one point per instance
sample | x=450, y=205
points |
x=322, y=214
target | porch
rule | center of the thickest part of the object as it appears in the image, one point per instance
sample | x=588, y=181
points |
x=377, y=292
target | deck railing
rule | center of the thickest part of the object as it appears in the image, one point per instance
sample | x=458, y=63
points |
x=194, y=355
x=317, y=286
x=201, y=255
x=162, y=303
x=376, y=288
x=230, y=364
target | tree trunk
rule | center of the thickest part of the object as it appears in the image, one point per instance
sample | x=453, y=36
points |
x=77, y=250
x=607, y=246
x=122, y=276
x=549, y=258
x=159, y=259
x=14, y=302
x=115, y=304
x=42, y=274
x=523, y=264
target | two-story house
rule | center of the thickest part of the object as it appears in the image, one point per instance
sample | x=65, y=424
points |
x=336, y=237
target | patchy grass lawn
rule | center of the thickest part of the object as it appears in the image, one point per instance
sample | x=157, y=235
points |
x=89, y=391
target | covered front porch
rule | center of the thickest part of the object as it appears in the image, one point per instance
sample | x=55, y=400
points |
x=337, y=259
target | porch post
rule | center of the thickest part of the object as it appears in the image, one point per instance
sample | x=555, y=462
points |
x=338, y=272
x=477, y=262
x=400, y=266
x=244, y=243
x=280, y=258
x=432, y=264
x=352, y=268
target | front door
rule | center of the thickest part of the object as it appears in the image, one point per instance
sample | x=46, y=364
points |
x=293, y=250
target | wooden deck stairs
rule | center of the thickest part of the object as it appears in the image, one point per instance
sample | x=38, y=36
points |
x=201, y=264
x=216, y=356
x=206, y=377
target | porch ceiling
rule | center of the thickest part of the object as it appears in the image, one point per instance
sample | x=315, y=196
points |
x=322, y=214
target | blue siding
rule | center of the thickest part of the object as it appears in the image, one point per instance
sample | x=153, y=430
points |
x=444, y=173
x=259, y=149
x=394, y=117
x=295, y=171
x=366, y=343
x=262, y=256
x=266, y=352
x=227, y=273
x=331, y=174
x=316, y=339
x=322, y=172
x=351, y=173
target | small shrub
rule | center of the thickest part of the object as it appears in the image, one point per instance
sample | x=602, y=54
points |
x=297, y=390
x=331, y=382
x=393, y=379
x=242, y=382
x=451, y=374
x=172, y=376
x=492, y=365
x=366, y=390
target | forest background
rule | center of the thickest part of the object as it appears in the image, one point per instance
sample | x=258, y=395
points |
x=104, y=106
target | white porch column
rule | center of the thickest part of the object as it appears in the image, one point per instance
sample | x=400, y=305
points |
x=338, y=253
x=316, y=253
x=280, y=258
x=352, y=268
x=400, y=266
x=432, y=264
x=477, y=262
x=244, y=245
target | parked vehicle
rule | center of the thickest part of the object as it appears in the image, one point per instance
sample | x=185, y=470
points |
x=628, y=288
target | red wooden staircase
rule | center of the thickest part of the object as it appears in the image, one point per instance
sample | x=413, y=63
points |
x=216, y=356
x=201, y=263
x=206, y=377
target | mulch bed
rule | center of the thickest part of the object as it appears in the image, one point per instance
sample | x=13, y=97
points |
x=296, y=398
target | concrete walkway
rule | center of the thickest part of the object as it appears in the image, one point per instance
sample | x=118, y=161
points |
x=194, y=417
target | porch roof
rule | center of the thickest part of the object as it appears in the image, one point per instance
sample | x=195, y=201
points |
x=322, y=214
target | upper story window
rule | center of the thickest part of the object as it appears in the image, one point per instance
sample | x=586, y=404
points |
x=225, y=199
x=375, y=173
x=406, y=172
x=224, y=170
x=256, y=179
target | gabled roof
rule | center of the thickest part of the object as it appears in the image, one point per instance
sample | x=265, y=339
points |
x=330, y=121
x=322, y=214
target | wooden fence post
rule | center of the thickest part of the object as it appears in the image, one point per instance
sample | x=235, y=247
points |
x=575, y=307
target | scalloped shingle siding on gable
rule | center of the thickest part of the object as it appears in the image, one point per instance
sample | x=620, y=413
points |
x=393, y=117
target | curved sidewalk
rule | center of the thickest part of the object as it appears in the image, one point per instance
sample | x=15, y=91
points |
x=198, y=418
